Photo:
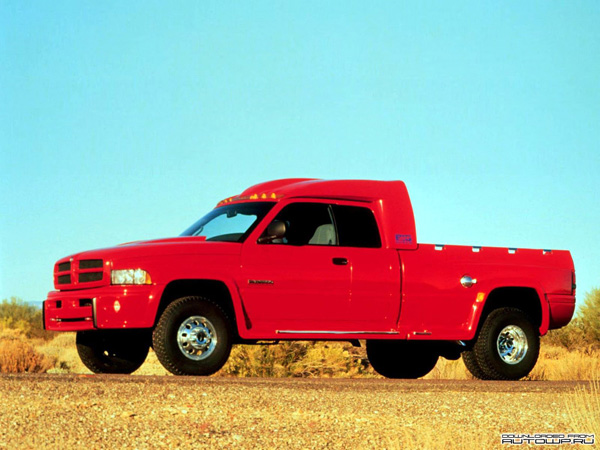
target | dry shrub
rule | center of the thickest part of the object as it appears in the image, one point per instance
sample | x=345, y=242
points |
x=570, y=337
x=16, y=314
x=560, y=364
x=589, y=317
x=327, y=359
x=331, y=359
x=17, y=356
x=10, y=334
x=64, y=340
x=584, y=329
x=63, y=351
x=554, y=363
x=297, y=359
x=324, y=359
x=263, y=360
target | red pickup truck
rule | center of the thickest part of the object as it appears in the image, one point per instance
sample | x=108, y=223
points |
x=306, y=259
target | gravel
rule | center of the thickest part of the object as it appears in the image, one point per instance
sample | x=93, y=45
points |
x=110, y=411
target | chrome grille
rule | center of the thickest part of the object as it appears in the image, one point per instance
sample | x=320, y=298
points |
x=80, y=274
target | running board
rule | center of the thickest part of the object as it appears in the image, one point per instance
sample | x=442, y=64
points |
x=333, y=332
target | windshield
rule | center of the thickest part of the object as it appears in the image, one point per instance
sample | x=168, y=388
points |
x=231, y=223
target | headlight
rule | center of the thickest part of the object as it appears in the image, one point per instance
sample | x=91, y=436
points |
x=130, y=276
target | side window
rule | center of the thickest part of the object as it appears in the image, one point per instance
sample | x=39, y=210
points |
x=306, y=224
x=356, y=227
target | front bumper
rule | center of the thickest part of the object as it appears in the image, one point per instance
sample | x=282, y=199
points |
x=102, y=308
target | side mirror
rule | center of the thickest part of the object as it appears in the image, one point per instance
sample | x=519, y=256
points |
x=275, y=230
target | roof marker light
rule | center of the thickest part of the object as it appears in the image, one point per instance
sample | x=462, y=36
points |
x=239, y=198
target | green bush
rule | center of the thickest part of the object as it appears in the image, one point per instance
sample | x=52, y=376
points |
x=589, y=317
x=584, y=329
x=17, y=315
x=570, y=337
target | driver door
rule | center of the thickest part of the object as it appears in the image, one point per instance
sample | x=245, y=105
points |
x=299, y=282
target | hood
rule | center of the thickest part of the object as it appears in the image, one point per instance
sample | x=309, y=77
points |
x=197, y=245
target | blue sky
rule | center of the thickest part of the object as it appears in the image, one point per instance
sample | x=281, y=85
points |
x=129, y=120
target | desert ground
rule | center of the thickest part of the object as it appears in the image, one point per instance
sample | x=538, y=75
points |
x=114, y=411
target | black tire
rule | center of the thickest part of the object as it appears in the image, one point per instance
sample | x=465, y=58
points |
x=470, y=361
x=193, y=337
x=401, y=359
x=113, y=351
x=510, y=331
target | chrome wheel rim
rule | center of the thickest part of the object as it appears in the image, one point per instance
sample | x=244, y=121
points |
x=512, y=344
x=197, y=338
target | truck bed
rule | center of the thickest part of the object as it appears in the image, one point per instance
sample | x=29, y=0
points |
x=436, y=306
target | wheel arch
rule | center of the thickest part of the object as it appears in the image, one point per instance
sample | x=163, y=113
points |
x=216, y=290
x=531, y=300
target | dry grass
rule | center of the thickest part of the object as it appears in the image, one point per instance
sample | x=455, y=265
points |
x=17, y=315
x=449, y=370
x=570, y=353
x=325, y=359
x=152, y=366
x=288, y=359
x=426, y=437
x=581, y=416
x=297, y=359
x=17, y=355
x=583, y=409
x=62, y=349
x=554, y=364
x=560, y=364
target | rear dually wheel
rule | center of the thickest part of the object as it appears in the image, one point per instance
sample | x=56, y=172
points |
x=507, y=346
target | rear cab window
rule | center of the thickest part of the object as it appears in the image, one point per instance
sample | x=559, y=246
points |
x=356, y=226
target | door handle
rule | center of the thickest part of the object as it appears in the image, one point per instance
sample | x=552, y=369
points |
x=340, y=261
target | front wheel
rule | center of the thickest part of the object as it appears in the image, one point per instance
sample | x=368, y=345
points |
x=507, y=346
x=113, y=351
x=192, y=337
x=401, y=359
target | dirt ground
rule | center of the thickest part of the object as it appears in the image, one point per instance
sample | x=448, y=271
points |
x=92, y=411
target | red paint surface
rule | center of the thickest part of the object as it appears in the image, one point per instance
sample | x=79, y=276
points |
x=402, y=290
